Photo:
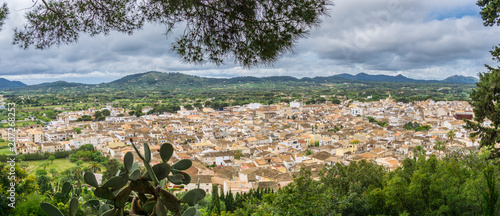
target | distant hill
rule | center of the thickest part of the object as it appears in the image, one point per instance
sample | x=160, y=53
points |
x=379, y=78
x=400, y=78
x=173, y=80
x=165, y=81
x=460, y=79
x=154, y=78
x=54, y=85
x=5, y=84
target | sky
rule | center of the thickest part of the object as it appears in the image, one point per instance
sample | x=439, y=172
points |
x=420, y=39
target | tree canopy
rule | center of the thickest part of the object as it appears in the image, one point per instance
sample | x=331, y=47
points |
x=4, y=11
x=490, y=12
x=485, y=98
x=248, y=32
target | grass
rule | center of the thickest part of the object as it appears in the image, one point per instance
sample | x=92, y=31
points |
x=4, y=150
x=20, y=124
x=60, y=165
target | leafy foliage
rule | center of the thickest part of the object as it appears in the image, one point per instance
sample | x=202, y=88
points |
x=248, y=32
x=491, y=195
x=416, y=126
x=453, y=185
x=4, y=11
x=484, y=100
x=151, y=198
x=379, y=123
x=485, y=97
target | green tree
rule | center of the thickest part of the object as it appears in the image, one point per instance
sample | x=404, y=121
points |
x=485, y=96
x=40, y=172
x=29, y=206
x=79, y=162
x=308, y=152
x=106, y=112
x=237, y=155
x=111, y=169
x=53, y=172
x=490, y=13
x=304, y=196
x=198, y=105
x=44, y=184
x=248, y=32
x=451, y=136
x=419, y=151
x=215, y=206
x=335, y=100
x=491, y=195
x=439, y=145
x=44, y=165
x=85, y=118
x=52, y=158
x=4, y=11
x=229, y=201
x=188, y=107
x=97, y=114
x=95, y=167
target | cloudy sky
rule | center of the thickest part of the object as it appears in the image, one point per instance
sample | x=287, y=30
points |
x=422, y=39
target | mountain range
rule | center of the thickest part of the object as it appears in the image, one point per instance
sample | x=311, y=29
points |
x=154, y=79
x=6, y=84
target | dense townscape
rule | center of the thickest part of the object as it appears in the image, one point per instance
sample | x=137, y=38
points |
x=415, y=132
x=255, y=145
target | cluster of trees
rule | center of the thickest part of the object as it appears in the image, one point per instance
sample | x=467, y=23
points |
x=162, y=108
x=88, y=153
x=84, y=118
x=229, y=203
x=42, y=186
x=101, y=115
x=416, y=126
x=454, y=185
x=379, y=123
x=39, y=156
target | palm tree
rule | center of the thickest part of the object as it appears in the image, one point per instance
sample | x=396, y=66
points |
x=451, y=136
x=439, y=145
x=95, y=167
x=419, y=150
x=78, y=173
x=71, y=175
x=472, y=138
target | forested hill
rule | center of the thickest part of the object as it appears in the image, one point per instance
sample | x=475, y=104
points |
x=460, y=79
x=167, y=81
x=4, y=83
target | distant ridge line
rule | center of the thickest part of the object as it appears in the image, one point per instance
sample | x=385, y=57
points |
x=173, y=79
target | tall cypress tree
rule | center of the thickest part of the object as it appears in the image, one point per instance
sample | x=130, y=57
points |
x=230, y=201
x=215, y=206
x=238, y=201
x=222, y=197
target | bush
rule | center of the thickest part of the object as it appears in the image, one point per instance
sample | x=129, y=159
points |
x=30, y=206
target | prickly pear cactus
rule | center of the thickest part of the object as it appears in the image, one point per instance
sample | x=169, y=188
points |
x=67, y=195
x=144, y=193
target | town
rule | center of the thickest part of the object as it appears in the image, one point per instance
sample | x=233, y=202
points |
x=261, y=146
